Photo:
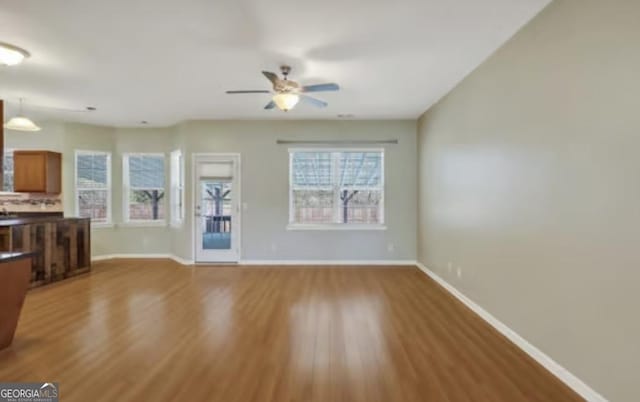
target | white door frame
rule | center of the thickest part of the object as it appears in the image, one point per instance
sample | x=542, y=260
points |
x=237, y=180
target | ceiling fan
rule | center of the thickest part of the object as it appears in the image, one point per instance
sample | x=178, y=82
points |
x=288, y=93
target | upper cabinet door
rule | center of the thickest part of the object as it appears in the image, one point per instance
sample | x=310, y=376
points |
x=37, y=172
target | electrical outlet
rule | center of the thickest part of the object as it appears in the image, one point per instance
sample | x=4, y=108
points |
x=459, y=273
x=274, y=247
x=391, y=248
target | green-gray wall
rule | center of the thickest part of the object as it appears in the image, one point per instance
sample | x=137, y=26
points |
x=530, y=184
x=264, y=185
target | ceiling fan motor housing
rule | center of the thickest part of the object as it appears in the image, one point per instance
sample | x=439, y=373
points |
x=285, y=70
x=286, y=86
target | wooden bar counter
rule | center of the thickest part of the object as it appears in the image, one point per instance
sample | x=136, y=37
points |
x=15, y=275
x=62, y=246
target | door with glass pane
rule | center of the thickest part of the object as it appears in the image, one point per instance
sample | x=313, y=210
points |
x=216, y=209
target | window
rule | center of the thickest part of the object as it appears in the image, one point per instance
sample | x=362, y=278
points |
x=177, y=188
x=143, y=177
x=93, y=186
x=336, y=189
x=7, y=162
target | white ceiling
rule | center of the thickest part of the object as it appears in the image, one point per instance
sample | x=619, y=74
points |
x=166, y=61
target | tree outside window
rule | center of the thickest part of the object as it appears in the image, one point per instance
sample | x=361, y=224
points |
x=145, y=180
x=342, y=187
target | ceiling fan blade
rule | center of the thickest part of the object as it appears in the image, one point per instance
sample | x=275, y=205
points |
x=271, y=76
x=257, y=91
x=270, y=105
x=313, y=101
x=321, y=87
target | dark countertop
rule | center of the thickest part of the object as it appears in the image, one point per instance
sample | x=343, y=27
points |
x=34, y=219
x=7, y=257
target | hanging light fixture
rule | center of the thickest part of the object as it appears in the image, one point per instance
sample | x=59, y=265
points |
x=286, y=101
x=11, y=55
x=21, y=123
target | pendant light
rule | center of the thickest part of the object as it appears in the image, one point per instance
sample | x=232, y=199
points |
x=12, y=55
x=21, y=123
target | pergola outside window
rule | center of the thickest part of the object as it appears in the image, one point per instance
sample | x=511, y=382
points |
x=336, y=188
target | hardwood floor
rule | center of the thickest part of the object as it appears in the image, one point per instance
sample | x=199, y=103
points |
x=152, y=330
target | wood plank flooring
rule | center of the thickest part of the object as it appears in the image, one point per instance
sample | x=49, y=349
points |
x=152, y=330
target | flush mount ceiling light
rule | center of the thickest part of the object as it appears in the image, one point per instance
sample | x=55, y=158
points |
x=21, y=123
x=285, y=101
x=11, y=55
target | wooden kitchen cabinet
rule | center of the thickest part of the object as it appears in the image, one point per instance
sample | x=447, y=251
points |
x=37, y=172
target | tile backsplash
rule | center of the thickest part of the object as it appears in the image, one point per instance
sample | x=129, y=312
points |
x=24, y=202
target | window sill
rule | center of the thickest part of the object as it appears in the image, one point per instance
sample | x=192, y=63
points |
x=336, y=226
x=143, y=224
x=102, y=225
x=176, y=225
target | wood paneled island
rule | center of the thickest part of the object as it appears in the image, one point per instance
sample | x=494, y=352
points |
x=61, y=246
x=15, y=271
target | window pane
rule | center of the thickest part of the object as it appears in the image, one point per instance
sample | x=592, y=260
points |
x=146, y=204
x=360, y=206
x=312, y=206
x=7, y=162
x=8, y=181
x=337, y=187
x=146, y=171
x=93, y=204
x=360, y=169
x=92, y=171
x=216, y=198
x=311, y=169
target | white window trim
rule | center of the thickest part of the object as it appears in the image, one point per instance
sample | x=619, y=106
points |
x=338, y=226
x=177, y=207
x=78, y=152
x=144, y=223
x=126, y=188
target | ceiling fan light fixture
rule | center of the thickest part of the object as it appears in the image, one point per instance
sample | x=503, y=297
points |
x=12, y=55
x=20, y=123
x=286, y=101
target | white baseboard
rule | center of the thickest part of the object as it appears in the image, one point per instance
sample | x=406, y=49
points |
x=184, y=261
x=134, y=256
x=327, y=262
x=181, y=260
x=177, y=259
x=101, y=257
x=547, y=362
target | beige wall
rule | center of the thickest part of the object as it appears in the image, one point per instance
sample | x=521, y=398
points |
x=264, y=186
x=69, y=137
x=530, y=184
x=265, y=178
